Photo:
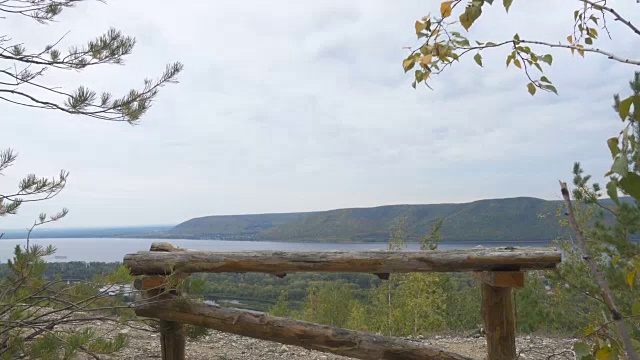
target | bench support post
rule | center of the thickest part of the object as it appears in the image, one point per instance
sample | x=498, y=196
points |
x=498, y=313
x=172, y=333
x=172, y=340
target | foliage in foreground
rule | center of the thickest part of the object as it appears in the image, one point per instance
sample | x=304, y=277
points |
x=51, y=318
x=601, y=256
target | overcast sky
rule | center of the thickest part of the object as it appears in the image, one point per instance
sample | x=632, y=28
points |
x=303, y=105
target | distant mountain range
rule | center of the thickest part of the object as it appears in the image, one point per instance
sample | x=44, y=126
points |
x=107, y=232
x=519, y=219
x=513, y=219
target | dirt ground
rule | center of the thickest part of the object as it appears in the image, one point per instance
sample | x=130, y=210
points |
x=223, y=346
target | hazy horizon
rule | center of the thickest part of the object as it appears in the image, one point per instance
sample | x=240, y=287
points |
x=62, y=227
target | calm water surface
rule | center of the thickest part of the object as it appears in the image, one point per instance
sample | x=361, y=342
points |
x=114, y=249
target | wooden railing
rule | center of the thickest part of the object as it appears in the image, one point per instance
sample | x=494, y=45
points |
x=498, y=270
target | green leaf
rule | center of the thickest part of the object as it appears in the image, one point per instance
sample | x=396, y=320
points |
x=517, y=63
x=588, y=41
x=631, y=185
x=550, y=88
x=531, y=87
x=631, y=277
x=516, y=37
x=471, y=14
x=464, y=42
x=635, y=310
x=544, y=79
x=507, y=4
x=582, y=350
x=624, y=108
x=547, y=58
x=621, y=166
x=613, y=143
x=612, y=191
x=538, y=66
x=478, y=59
x=616, y=260
x=509, y=59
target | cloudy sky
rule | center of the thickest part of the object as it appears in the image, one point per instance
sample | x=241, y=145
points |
x=291, y=106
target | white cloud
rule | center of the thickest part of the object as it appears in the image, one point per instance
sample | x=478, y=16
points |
x=303, y=106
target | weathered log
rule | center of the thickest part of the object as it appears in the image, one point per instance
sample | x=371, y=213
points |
x=499, y=322
x=276, y=262
x=355, y=344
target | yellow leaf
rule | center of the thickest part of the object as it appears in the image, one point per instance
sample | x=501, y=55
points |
x=426, y=49
x=445, y=9
x=426, y=60
x=604, y=353
x=419, y=27
x=631, y=276
x=465, y=20
x=517, y=63
x=570, y=39
x=581, y=52
x=408, y=63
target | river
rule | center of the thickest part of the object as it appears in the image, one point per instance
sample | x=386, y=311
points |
x=114, y=249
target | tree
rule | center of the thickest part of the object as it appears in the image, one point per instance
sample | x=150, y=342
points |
x=33, y=309
x=409, y=304
x=329, y=303
x=22, y=69
x=444, y=44
x=281, y=307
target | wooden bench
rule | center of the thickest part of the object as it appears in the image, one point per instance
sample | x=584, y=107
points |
x=498, y=270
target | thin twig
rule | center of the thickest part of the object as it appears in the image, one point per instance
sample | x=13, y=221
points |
x=614, y=13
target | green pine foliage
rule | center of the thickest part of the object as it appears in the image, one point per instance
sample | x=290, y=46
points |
x=51, y=318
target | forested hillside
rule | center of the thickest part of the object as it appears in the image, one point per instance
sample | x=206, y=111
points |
x=519, y=218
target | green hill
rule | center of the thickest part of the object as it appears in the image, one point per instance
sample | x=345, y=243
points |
x=233, y=226
x=496, y=219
